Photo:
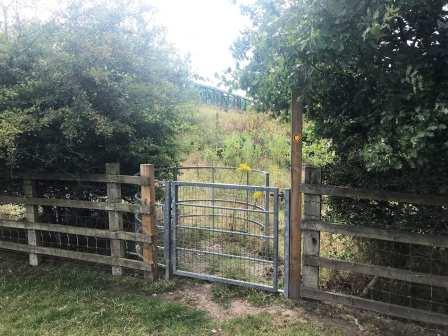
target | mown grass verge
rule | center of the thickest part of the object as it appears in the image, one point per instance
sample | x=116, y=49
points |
x=72, y=299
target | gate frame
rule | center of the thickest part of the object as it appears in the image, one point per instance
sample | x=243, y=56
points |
x=170, y=224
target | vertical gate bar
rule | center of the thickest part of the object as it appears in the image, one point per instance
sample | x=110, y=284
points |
x=266, y=206
x=247, y=202
x=173, y=254
x=275, y=215
x=213, y=196
x=167, y=231
x=286, y=245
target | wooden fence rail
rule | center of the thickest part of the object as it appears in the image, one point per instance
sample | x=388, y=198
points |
x=312, y=226
x=114, y=206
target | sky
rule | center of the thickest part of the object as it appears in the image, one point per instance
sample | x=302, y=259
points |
x=202, y=29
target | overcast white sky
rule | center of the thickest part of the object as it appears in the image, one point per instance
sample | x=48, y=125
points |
x=204, y=29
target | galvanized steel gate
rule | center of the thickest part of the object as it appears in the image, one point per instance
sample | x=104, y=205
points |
x=221, y=232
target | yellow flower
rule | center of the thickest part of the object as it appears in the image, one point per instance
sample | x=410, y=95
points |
x=258, y=195
x=244, y=167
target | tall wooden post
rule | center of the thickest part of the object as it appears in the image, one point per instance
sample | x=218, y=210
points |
x=295, y=239
x=148, y=198
x=31, y=213
x=115, y=217
x=311, y=239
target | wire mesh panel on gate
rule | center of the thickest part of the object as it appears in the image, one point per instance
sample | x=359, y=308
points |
x=226, y=233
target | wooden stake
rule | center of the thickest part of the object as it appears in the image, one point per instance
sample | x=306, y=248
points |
x=295, y=239
x=31, y=213
x=311, y=238
x=115, y=217
x=148, y=198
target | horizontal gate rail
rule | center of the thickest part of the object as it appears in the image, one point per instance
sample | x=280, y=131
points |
x=225, y=255
x=226, y=186
x=223, y=208
x=224, y=216
x=239, y=233
x=255, y=206
x=227, y=281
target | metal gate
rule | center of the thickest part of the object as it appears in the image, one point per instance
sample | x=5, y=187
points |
x=224, y=233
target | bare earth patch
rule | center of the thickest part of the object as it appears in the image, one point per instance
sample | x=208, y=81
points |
x=350, y=322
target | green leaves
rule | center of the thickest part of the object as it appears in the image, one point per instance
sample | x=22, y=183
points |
x=88, y=87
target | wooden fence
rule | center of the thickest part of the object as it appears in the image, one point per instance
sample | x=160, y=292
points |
x=312, y=226
x=115, y=207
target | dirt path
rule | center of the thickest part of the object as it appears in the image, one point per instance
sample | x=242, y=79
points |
x=350, y=322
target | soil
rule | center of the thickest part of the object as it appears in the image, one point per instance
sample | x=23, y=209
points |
x=350, y=322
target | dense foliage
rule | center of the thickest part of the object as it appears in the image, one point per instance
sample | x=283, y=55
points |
x=373, y=76
x=231, y=138
x=96, y=83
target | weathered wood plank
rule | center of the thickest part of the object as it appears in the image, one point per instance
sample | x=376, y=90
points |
x=379, y=307
x=83, y=231
x=380, y=234
x=375, y=270
x=99, y=178
x=311, y=239
x=106, y=206
x=83, y=256
x=148, y=198
x=115, y=217
x=31, y=214
x=436, y=200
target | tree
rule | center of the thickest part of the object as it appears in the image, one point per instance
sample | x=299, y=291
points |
x=373, y=76
x=96, y=83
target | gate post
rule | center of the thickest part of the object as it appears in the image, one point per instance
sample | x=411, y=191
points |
x=311, y=239
x=167, y=231
x=295, y=238
x=148, y=198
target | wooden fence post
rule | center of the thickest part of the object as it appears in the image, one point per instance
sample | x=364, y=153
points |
x=295, y=238
x=311, y=239
x=115, y=217
x=31, y=213
x=148, y=198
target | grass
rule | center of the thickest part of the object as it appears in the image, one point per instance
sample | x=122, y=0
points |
x=72, y=299
x=263, y=324
x=224, y=294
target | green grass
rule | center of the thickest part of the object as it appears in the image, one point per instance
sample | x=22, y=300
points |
x=224, y=294
x=263, y=324
x=70, y=299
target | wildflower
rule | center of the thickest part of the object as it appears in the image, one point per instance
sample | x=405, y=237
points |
x=244, y=168
x=258, y=195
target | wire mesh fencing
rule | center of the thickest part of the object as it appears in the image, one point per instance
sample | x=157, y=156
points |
x=226, y=233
